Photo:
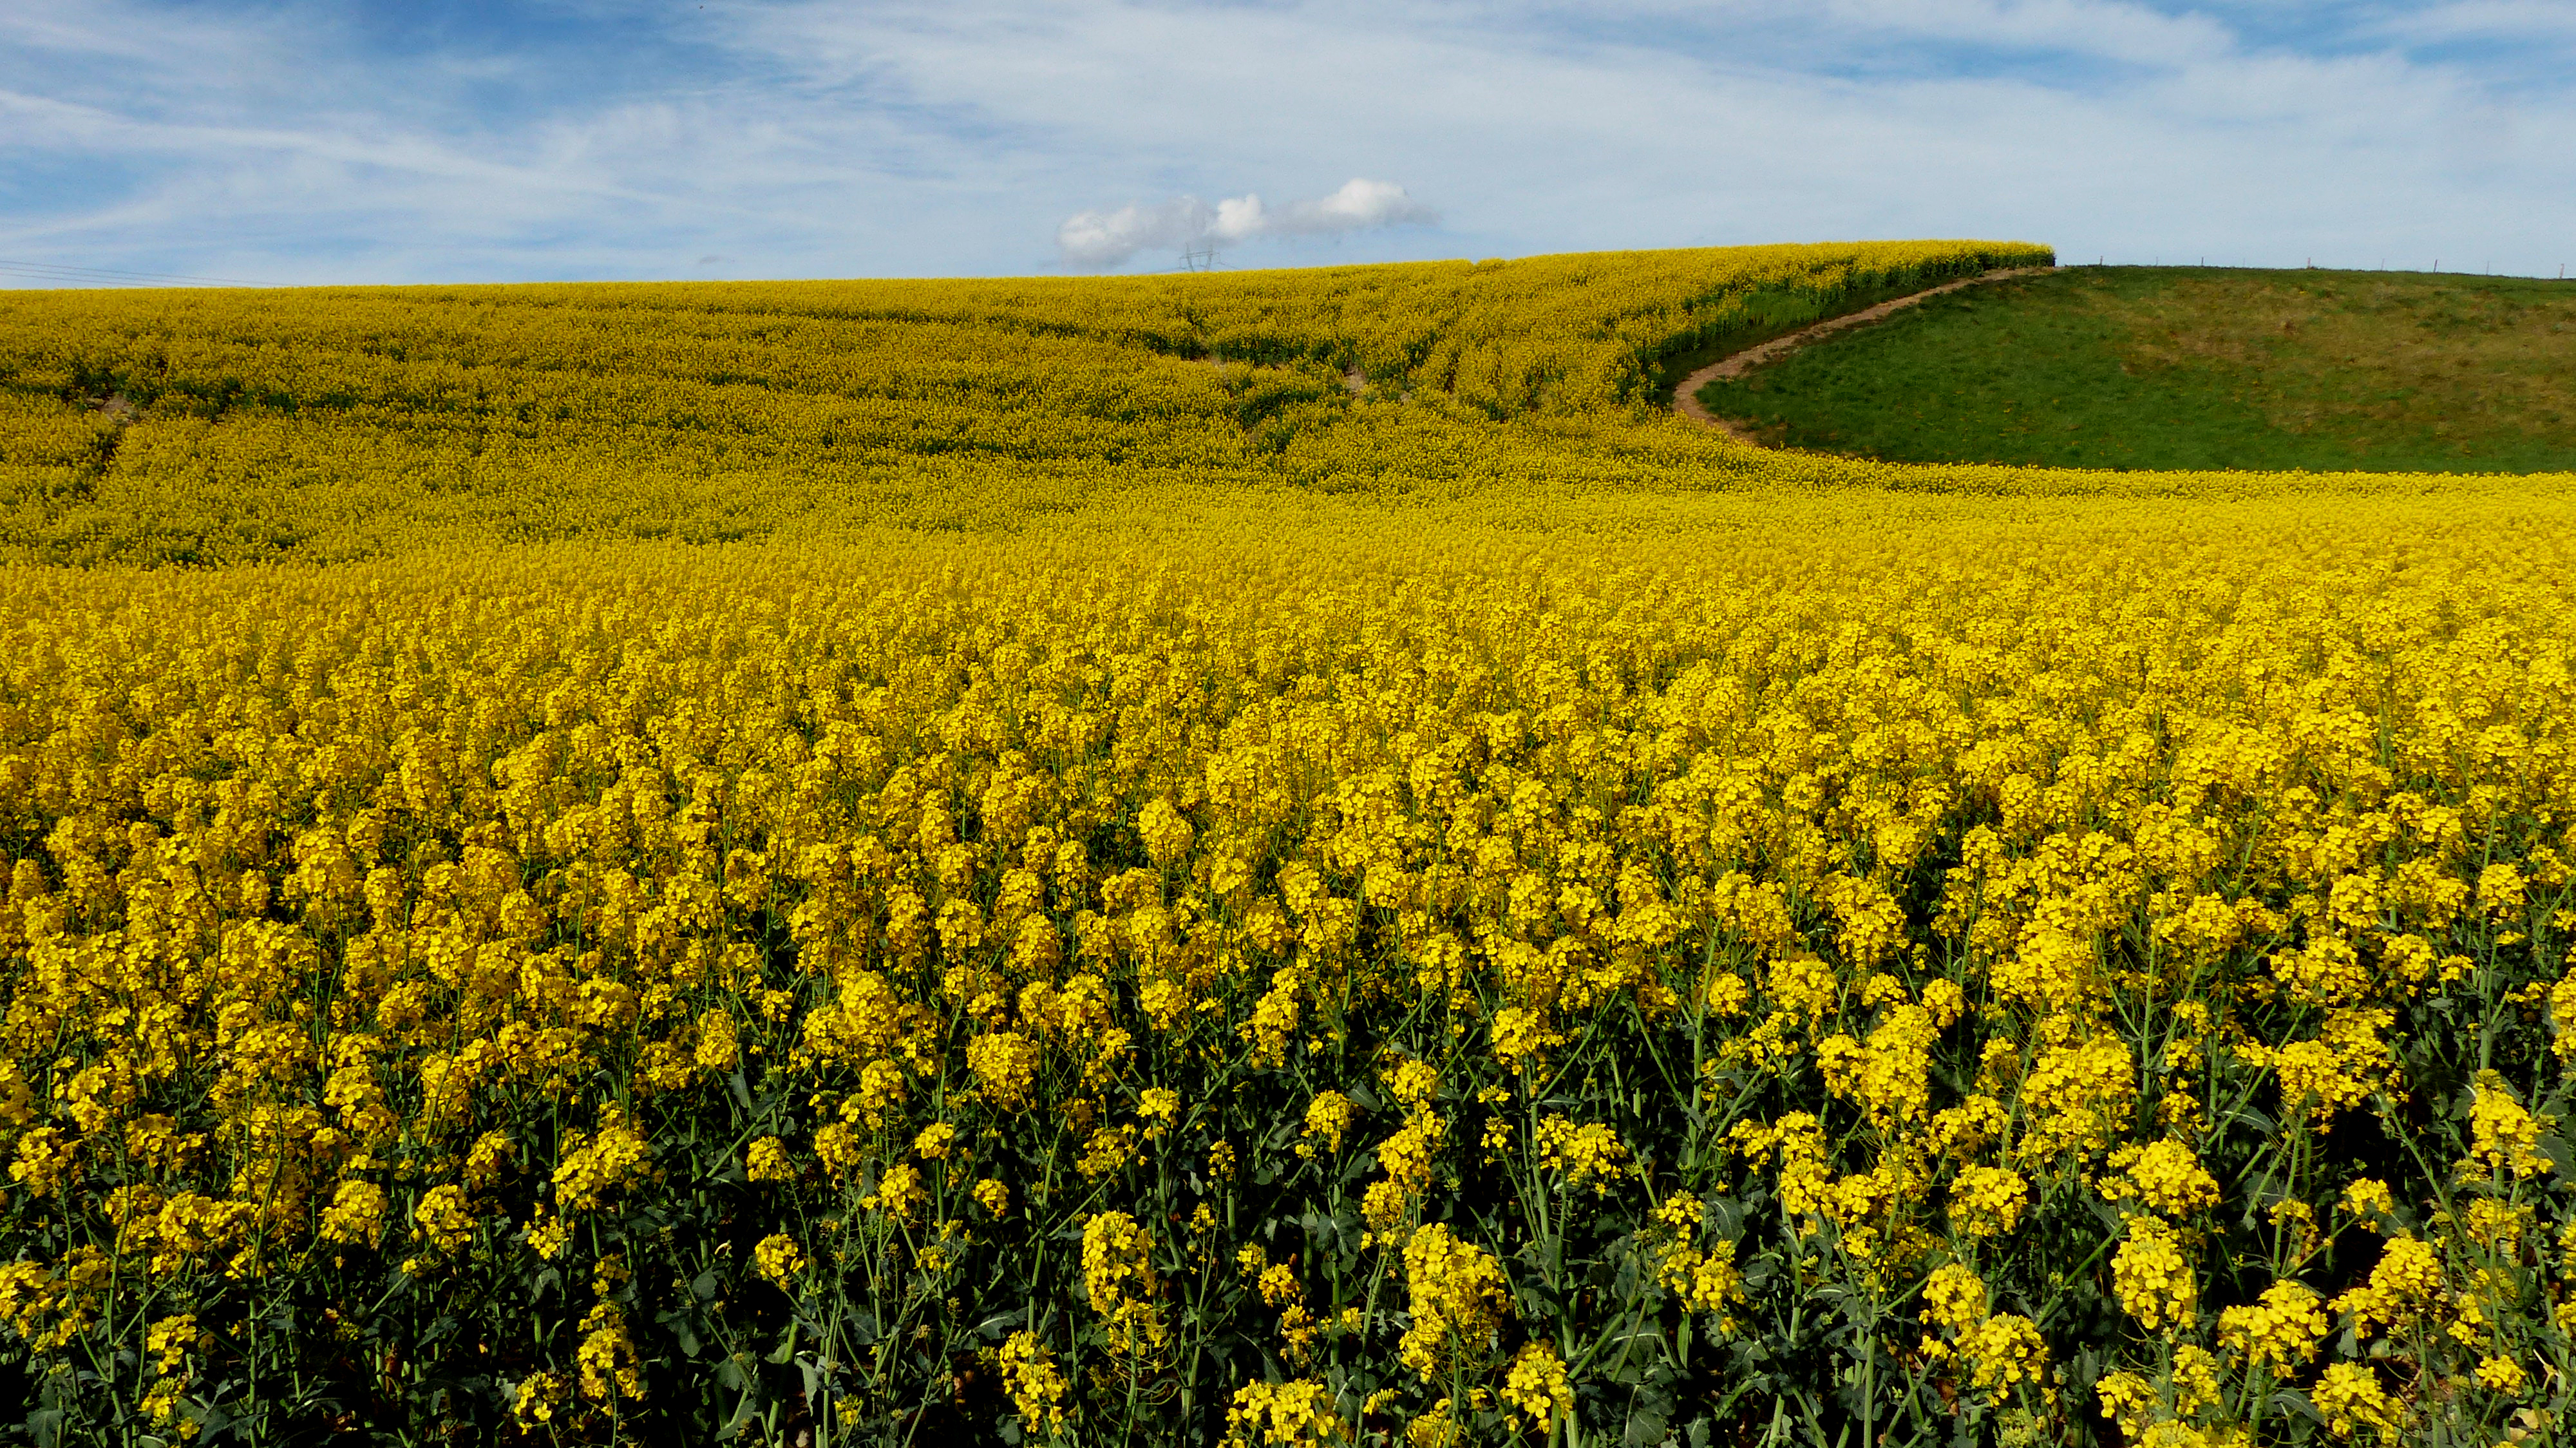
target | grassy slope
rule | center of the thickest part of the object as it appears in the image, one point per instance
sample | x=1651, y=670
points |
x=2133, y=367
x=1766, y=314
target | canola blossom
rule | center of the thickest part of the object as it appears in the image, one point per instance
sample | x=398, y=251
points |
x=1296, y=967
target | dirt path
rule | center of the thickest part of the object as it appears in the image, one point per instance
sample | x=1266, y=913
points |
x=1686, y=396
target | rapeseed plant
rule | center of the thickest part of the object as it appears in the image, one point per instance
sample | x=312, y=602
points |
x=1302, y=969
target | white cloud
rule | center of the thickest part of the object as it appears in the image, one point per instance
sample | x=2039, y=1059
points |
x=2132, y=34
x=2485, y=19
x=1107, y=238
x=906, y=137
x=1112, y=238
x=1358, y=206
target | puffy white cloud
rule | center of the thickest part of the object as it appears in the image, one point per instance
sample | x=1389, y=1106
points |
x=1358, y=206
x=1107, y=238
x=1112, y=238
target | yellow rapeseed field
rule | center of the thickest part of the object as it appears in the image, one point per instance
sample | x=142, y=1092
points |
x=1035, y=862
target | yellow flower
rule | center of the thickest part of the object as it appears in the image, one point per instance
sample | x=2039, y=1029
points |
x=356, y=1214
x=766, y=1160
x=1413, y=1083
x=1277, y=1284
x=2494, y=1224
x=2153, y=1279
x=1590, y=1153
x=483, y=1161
x=2350, y=1399
x=1954, y=1298
x=998, y=725
x=46, y=1160
x=595, y=1166
x=610, y=1368
x=1166, y=833
x=1457, y=1294
x=2279, y=1332
x=1888, y=1074
x=548, y=1235
x=1520, y=1038
x=443, y=1219
x=1537, y=1390
x=2504, y=1138
x=1328, y=1117
x=2167, y=1177
x=1108, y=1149
x=168, y=1340
x=1987, y=1201
x=2368, y=1198
x=1030, y=1376
x=900, y=1193
x=536, y=1399
x=2407, y=1279
x=778, y=1259
x=1120, y=1283
x=840, y=1149
x=1408, y=1158
x=1296, y=1414
x=2128, y=1400
x=2501, y=1375
x=1006, y=1063
x=2003, y=1350
x=717, y=1047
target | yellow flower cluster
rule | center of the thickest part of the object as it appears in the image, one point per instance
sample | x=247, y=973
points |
x=1587, y=1154
x=1328, y=1120
x=778, y=1259
x=2350, y=1399
x=1036, y=1386
x=2167, y=1177
x=2504, y=1138
x=1987, y=1201
x=2279, y=1332
x=2407, y=1280
x=1295, y=1414
x=1537, y=1391
x=2000, y=1349
x=1118, y=1281
x=611, y=1370
x=1457, y=1295
x=2153, y=1278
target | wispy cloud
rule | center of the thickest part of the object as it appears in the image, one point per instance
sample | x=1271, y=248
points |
x=289, y=140
x=1112, y=238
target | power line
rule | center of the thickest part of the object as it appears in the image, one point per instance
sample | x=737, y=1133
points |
x=109, y=276
x=99, y=277
x=67, y=269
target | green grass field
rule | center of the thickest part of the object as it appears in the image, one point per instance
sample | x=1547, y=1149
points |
x=2174, y=367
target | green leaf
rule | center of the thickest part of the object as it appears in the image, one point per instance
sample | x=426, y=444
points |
x=1649, y=1416
x=2291, y=1400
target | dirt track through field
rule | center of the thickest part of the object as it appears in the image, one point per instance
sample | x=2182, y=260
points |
x=1686, y=396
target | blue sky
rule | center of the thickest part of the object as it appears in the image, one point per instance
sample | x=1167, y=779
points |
x=293, y=142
